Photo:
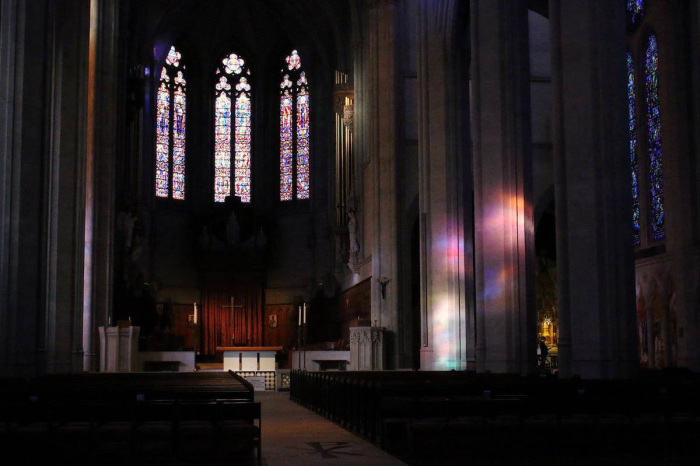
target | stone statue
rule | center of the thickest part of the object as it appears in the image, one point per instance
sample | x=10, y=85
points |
x=353, y=245
x=125, y=224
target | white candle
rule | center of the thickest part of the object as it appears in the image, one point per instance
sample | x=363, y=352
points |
x=195, y=313
x=304, y=312
x=299, y=315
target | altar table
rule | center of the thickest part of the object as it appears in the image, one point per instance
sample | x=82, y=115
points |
x=249, y=358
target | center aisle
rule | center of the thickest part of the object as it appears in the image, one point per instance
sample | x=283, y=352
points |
x=293, y=435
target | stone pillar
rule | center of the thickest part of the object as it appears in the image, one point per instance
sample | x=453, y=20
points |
x=381, y=111
x=503, y=210
x=595, y=271
x=447, y=333
x=101, y=141
x=41, y=241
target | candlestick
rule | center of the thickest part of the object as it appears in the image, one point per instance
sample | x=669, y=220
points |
x=299, y=315
x=304, y=312
x=195, y=313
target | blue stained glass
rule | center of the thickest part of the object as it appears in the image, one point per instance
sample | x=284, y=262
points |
x=294, y=131
x=634, y=162
x=171, y=112
x=302, y=145
x=635, y=11
x=222, y=147
x=232, y=138
x=286, y=147
x=656, y=176
x=162, y=140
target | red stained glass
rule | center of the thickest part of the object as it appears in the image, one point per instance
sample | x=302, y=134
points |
x=171, y=112
x=162, y=140
x=222, y=147
x=294, y=131
x=286, y=147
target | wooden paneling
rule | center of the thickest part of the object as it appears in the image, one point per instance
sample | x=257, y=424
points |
x=354, y=307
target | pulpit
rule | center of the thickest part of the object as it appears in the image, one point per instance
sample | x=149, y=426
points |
x=119, y=349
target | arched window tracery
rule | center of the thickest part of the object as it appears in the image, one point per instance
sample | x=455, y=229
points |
x=232, y=129
x=295, y=125
x=171, y=114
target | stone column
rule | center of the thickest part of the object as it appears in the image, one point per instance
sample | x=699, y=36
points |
x=595, y=271
x=447, y=333
x=381, y=108
x=101, y=122
x=41, y=245
x=503, y=210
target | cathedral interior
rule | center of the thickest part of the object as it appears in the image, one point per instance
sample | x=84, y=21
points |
x=492, y=187
x=476, y=179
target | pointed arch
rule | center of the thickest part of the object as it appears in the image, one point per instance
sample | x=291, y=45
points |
x=171, y=118
x=295, y=129
x=232, y=129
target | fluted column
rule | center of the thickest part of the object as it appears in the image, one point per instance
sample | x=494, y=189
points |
x=595, y=273
x=381, y=111
x=503, y=210
x=101, y=122
x=447, y=320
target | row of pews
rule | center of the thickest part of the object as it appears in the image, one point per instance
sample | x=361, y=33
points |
x=426, y=417
x=129, y=418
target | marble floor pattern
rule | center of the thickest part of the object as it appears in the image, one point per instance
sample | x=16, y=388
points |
x=293, y=435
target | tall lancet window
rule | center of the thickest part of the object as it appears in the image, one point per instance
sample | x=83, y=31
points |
x=232, y=129
x=294, y=131
x=634, y=161
x=171, y=112
x=653, y=108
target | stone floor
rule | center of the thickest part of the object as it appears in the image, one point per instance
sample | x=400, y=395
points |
x=293, y=435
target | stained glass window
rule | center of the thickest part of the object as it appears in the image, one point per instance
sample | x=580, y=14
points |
x=171, y=112
x=634, y=162
x=294, y=131
x=656, y=176
x=232, y=89
x=635, y=12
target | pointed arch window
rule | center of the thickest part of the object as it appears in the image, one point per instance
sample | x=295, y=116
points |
x=294, y=130
x=653, y=109
x=232, y=129
x=633, y=143
x=171, y=113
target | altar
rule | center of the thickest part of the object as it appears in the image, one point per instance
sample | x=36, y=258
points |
x=249, y=358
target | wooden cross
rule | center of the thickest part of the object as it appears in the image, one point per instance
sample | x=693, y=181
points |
x=233, y=307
